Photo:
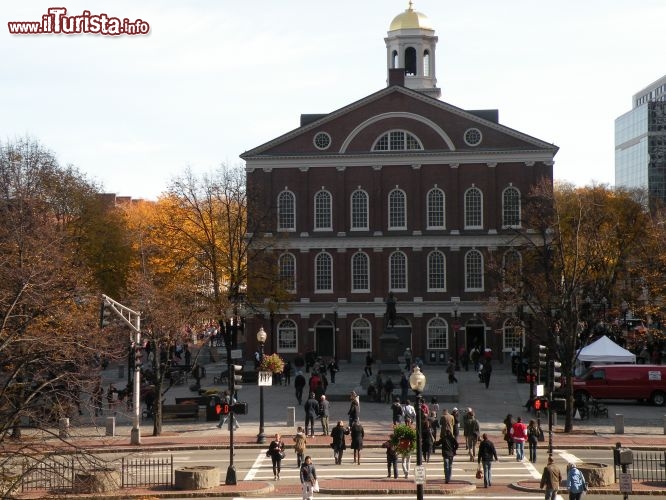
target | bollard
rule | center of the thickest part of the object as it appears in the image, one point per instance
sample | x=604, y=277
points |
x=291, y=416
x=619, y=423
x=121, y=371
x=554, y=419
x=63, y=428
x=110, y=426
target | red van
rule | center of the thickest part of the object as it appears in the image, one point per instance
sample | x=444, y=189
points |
x=641, y=382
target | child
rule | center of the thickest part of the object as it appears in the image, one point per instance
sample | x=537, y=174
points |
x=299, y=445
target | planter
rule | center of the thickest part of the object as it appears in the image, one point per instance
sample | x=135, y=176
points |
x=597, y=474
x=197, y=478
x=97, y=481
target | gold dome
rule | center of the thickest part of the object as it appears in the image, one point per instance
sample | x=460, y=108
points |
x=410, y=19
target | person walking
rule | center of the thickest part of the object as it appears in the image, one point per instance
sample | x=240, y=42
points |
x=449, y=448
x=299, y=384
x=575, y=482
x=519, y=435
x=404, y=386
x=311, y=408
x=487, y=454
x=508, y=425
x=391, y=459
x=427, y=439
x=451, y=371
x=456, y=422
x=276, y=452
x=338, y=444
x=333, y=368
x=369, y=360
x=447, y=421
x=324, y=413
x=300, y=441
x=354, y=412
x=308, y=477
x=357, y=433
x=551, y=479
x=486, y=371
x=396, y=411
x=409, y=413
x=532, y=439
x=471, y=432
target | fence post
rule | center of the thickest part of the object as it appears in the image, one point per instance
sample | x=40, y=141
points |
x=110, y=426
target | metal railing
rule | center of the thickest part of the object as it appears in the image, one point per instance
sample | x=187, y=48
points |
x=147, y=472
x=646, y=466
x=51, y=475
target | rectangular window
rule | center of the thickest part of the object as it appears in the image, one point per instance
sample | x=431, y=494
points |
x=287, y=340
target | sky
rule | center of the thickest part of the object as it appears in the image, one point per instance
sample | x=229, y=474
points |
x=213, y=79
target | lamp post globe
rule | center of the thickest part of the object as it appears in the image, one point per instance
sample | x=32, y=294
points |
x=417, y=382
x=261, y=339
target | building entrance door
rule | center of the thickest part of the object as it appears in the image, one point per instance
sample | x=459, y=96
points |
x=325, y=339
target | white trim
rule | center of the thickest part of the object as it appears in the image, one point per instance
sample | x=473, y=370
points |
x=483, y=284
x=351, y=272
x=367, y=210
x=520, y=208
x=428, y=271
x=390, y=272
x=427, y=214
x=465, y=225
x=388, y=211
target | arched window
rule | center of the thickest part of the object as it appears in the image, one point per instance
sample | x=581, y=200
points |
x=436, y=204
x=359, y=210
x=438, y=334
x=473, y=271
x=287, y=336
x=410, y=61
x=397, y=140
x=360, y=268
x=322, y=207
x=398, y=271
x=426, y=63
x=511, y=208
x=394, y=59
x=323, y=272
x=361, y=335
x=436, y=271
x=512, y=338
x=286, y=211
x=397, y=209
x=287, y=271
x=473, y=209
x=512, y=269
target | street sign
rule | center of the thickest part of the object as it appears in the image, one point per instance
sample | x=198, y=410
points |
x=237, y=354
x=419, y=474
x=625, y=482
x=539, y=390
x=265, y=379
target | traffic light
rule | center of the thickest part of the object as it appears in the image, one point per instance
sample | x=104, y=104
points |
x=555, y=375
x=558, y=405
x=138, y=355
x=540, y=404
x=236, y=378
x=543, y=356
x=240, y=408
x=223, y=408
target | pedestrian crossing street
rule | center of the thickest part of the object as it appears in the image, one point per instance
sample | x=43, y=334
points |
x=373, y=464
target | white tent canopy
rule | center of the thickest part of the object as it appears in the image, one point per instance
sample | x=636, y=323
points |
x=605, y=350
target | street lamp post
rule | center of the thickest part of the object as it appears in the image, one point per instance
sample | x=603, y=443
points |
x=417, y=381
x=261, y=338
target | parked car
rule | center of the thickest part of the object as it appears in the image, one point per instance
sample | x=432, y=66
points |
x=640, y=382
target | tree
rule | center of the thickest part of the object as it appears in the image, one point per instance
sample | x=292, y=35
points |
x=576, y=248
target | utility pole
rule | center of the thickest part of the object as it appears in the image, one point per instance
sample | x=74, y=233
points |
x=133, y=320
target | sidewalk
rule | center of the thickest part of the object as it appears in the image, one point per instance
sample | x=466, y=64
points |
x=504, y=396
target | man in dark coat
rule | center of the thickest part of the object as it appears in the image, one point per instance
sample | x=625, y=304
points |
x=299, y=383
x=338, y=444
x=449, y=449
x=311, y=410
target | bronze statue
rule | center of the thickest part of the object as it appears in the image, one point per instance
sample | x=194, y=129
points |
x=390, y=311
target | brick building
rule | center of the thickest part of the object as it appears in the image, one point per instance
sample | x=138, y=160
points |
x=396, y=192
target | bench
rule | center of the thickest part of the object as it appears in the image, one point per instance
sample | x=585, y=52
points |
x=195, y=400
x=187, y=410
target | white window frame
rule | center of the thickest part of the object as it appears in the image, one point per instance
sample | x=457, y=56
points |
x=292, y=327
x=317, y=272
x=468, y=276
x=361, y=327
x=509, y=330
x=505, y=209
x=353, y=211
x=391, y=283
x=292, y=197
x=282, y=275
x=430, y=271
x=393, y=224
x=435, y=325
x=323, y=209
x=440, y=210
x=388, y=141
x=354, y=275
x=468, y=209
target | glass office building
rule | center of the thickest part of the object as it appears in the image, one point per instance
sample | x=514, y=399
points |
x=640, y=144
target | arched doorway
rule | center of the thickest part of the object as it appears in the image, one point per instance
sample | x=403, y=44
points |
x=325, y=338
x=475, y=334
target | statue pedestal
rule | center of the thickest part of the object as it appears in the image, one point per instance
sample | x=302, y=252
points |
x=390, y=350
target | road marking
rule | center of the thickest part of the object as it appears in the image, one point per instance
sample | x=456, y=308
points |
x=255, y=466
x=532, y=470
x=567, y=457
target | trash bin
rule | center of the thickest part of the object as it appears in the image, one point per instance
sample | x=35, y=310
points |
x=213, y=408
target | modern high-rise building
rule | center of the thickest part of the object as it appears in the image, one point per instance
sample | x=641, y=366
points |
x=640, y=143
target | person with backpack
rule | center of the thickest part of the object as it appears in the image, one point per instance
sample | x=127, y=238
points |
x=396, y=410
x=308, y=476
x=575, y=482
x=300, y=442
x=532, y=439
